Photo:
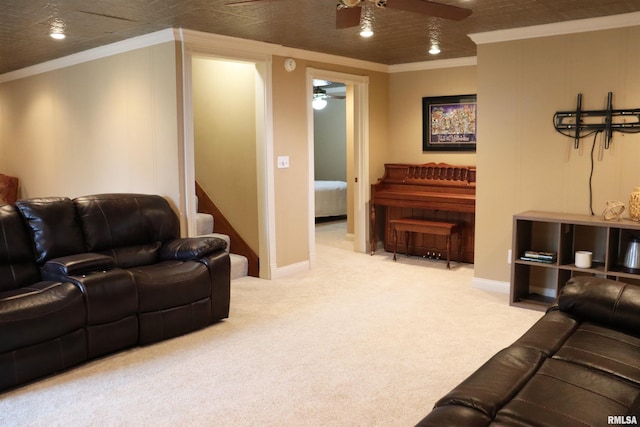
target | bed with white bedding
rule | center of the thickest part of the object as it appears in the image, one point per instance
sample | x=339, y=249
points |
x=331, y=198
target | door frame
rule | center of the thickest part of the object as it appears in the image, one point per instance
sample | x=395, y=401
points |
x=196, y=44
x=360, y=91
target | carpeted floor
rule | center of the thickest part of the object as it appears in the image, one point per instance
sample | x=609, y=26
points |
x=358, y=341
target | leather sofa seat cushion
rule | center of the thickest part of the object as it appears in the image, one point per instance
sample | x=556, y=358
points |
x=39, y=312
x=170, y=284
x=562, y=393
x=54, y=227
x=604, y=349
x=17, y=264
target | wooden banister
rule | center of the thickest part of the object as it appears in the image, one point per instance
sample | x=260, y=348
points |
x=222, y=225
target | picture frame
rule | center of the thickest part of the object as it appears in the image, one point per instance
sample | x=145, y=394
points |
x=449, y=123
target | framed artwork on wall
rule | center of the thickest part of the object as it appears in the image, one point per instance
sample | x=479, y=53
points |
x=449, y=123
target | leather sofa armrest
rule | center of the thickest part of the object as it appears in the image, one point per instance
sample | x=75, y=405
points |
x=610, y=303
x=191, y=248
x=74, y=265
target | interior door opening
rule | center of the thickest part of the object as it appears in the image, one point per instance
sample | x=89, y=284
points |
x=224, y=97
x=331, y=167
x=354, y=152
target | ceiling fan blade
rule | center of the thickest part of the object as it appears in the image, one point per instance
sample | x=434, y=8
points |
x=246, y=2
x=430, y=8
x=337, y=96
x=348, y=17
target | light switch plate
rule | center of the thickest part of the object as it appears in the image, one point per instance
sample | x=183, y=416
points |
x=283, y=162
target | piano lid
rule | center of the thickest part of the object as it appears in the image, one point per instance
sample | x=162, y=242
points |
x=438, y=174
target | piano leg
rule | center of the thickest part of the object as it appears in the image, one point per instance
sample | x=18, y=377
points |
x=395, y=243
x=407, y=236
x=372, y=232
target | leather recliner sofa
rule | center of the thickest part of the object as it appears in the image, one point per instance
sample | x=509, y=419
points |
x=579, y=365
x=86, y=277
x=41, y=322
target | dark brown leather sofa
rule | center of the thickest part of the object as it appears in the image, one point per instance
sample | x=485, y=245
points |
x=579, y=365
x=86, y=277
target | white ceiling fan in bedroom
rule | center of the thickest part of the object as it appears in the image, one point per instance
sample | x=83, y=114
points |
x=324, y=90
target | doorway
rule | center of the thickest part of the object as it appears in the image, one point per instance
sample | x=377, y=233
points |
x=254, y=154
x=224, y=96
x=356, y=156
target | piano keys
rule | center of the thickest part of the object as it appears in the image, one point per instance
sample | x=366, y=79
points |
x=432, y=191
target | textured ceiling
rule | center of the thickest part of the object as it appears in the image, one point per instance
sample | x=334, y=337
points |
x=400, y=37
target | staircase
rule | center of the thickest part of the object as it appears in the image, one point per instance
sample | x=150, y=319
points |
x=205, y=227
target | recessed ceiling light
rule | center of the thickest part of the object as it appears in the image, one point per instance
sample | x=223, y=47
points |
x=57, y=29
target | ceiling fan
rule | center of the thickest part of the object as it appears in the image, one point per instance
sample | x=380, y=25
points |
x=320, y=95
x=318, y=92
x=348, y=12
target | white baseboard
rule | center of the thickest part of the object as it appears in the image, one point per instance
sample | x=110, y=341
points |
x=490, y=285
x=290, y=270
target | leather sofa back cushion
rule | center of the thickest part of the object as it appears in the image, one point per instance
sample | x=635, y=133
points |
x=17, y=265
x=111, y=221
x=54, y=227
x=614, y=304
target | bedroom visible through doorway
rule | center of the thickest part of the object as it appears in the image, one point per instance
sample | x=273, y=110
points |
x=330, y=155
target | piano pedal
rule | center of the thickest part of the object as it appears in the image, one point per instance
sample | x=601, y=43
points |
x=432, y=255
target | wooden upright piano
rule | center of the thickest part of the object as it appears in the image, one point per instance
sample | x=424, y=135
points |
x=433, y=191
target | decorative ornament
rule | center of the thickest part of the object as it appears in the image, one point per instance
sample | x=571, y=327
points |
x=634, y=204
x=613, y=210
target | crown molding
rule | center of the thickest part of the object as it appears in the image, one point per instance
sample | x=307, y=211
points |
x=434, y=65
x=249, y=49
x=558, y=28
x=198, y=42
x=309, y=55
x=233, y=47
x=134, y=43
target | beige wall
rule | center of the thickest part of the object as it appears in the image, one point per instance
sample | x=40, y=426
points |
x=113, y=125
x=224, y=108
x=290, y=139
x=109, y=125
x=406, y=90
x=523, y=163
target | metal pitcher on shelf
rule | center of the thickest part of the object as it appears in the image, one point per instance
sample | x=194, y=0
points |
x=632, y=257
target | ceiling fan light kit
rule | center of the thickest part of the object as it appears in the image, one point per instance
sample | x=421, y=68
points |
x=320, y=96
x=366, y=21
x=354, y=13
